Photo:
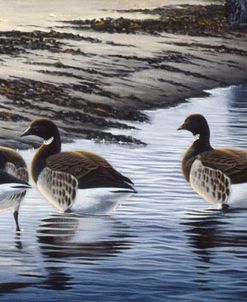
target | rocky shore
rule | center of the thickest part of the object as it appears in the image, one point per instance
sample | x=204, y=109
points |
x=90, y=76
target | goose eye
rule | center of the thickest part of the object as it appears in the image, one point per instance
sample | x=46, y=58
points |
x=35, y=129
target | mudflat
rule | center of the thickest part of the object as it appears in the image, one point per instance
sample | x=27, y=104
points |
x=93, y=75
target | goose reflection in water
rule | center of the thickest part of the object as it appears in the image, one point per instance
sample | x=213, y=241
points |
x=78, y=240
x=210, y=230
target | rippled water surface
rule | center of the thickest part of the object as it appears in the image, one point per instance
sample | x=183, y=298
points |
x=163, y=244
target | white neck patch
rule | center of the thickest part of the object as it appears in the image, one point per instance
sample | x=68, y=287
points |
x=196, y=137
x=49, y=140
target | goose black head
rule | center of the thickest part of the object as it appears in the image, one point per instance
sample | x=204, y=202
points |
x=43, y=128
x=196, y=124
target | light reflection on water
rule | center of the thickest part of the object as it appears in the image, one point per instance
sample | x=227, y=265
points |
x=163, y=244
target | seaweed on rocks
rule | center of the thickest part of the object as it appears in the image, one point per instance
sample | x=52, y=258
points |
x=53, y=101
x=183, y=19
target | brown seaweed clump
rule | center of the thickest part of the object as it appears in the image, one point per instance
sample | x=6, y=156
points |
x=185, y=19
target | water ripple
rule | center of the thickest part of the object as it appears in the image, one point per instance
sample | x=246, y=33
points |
x=163, y=244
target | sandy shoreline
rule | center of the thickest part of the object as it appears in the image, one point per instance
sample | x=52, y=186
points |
x=93, y=75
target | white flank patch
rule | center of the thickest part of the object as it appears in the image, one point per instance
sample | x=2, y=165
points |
x=9, y=195
x=99, y=201
x=12, y=187
x=238, y=197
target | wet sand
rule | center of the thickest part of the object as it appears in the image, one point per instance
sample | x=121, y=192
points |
x=92, y=75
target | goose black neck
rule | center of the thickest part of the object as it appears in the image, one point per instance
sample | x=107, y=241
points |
x=203, y=142
x=52, y=147
x=46, y=150
x=200, y=145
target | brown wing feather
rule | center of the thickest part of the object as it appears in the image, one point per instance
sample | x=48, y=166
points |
x=231, y=162
x=90, y=169
x=104, y=164
x=71, y=163
x=95, y=158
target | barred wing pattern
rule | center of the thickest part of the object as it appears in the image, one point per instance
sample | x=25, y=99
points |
x=211, y=184
x=58, y=187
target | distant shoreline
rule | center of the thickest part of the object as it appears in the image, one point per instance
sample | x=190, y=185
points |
x=188, y=49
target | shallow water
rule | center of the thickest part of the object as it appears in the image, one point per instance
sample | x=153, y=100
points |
x=163, y=244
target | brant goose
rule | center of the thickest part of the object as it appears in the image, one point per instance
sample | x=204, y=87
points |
x=217, y=175
x=13, y=181
x=80, y=180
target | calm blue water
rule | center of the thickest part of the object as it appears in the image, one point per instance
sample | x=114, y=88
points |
x=164, y=244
